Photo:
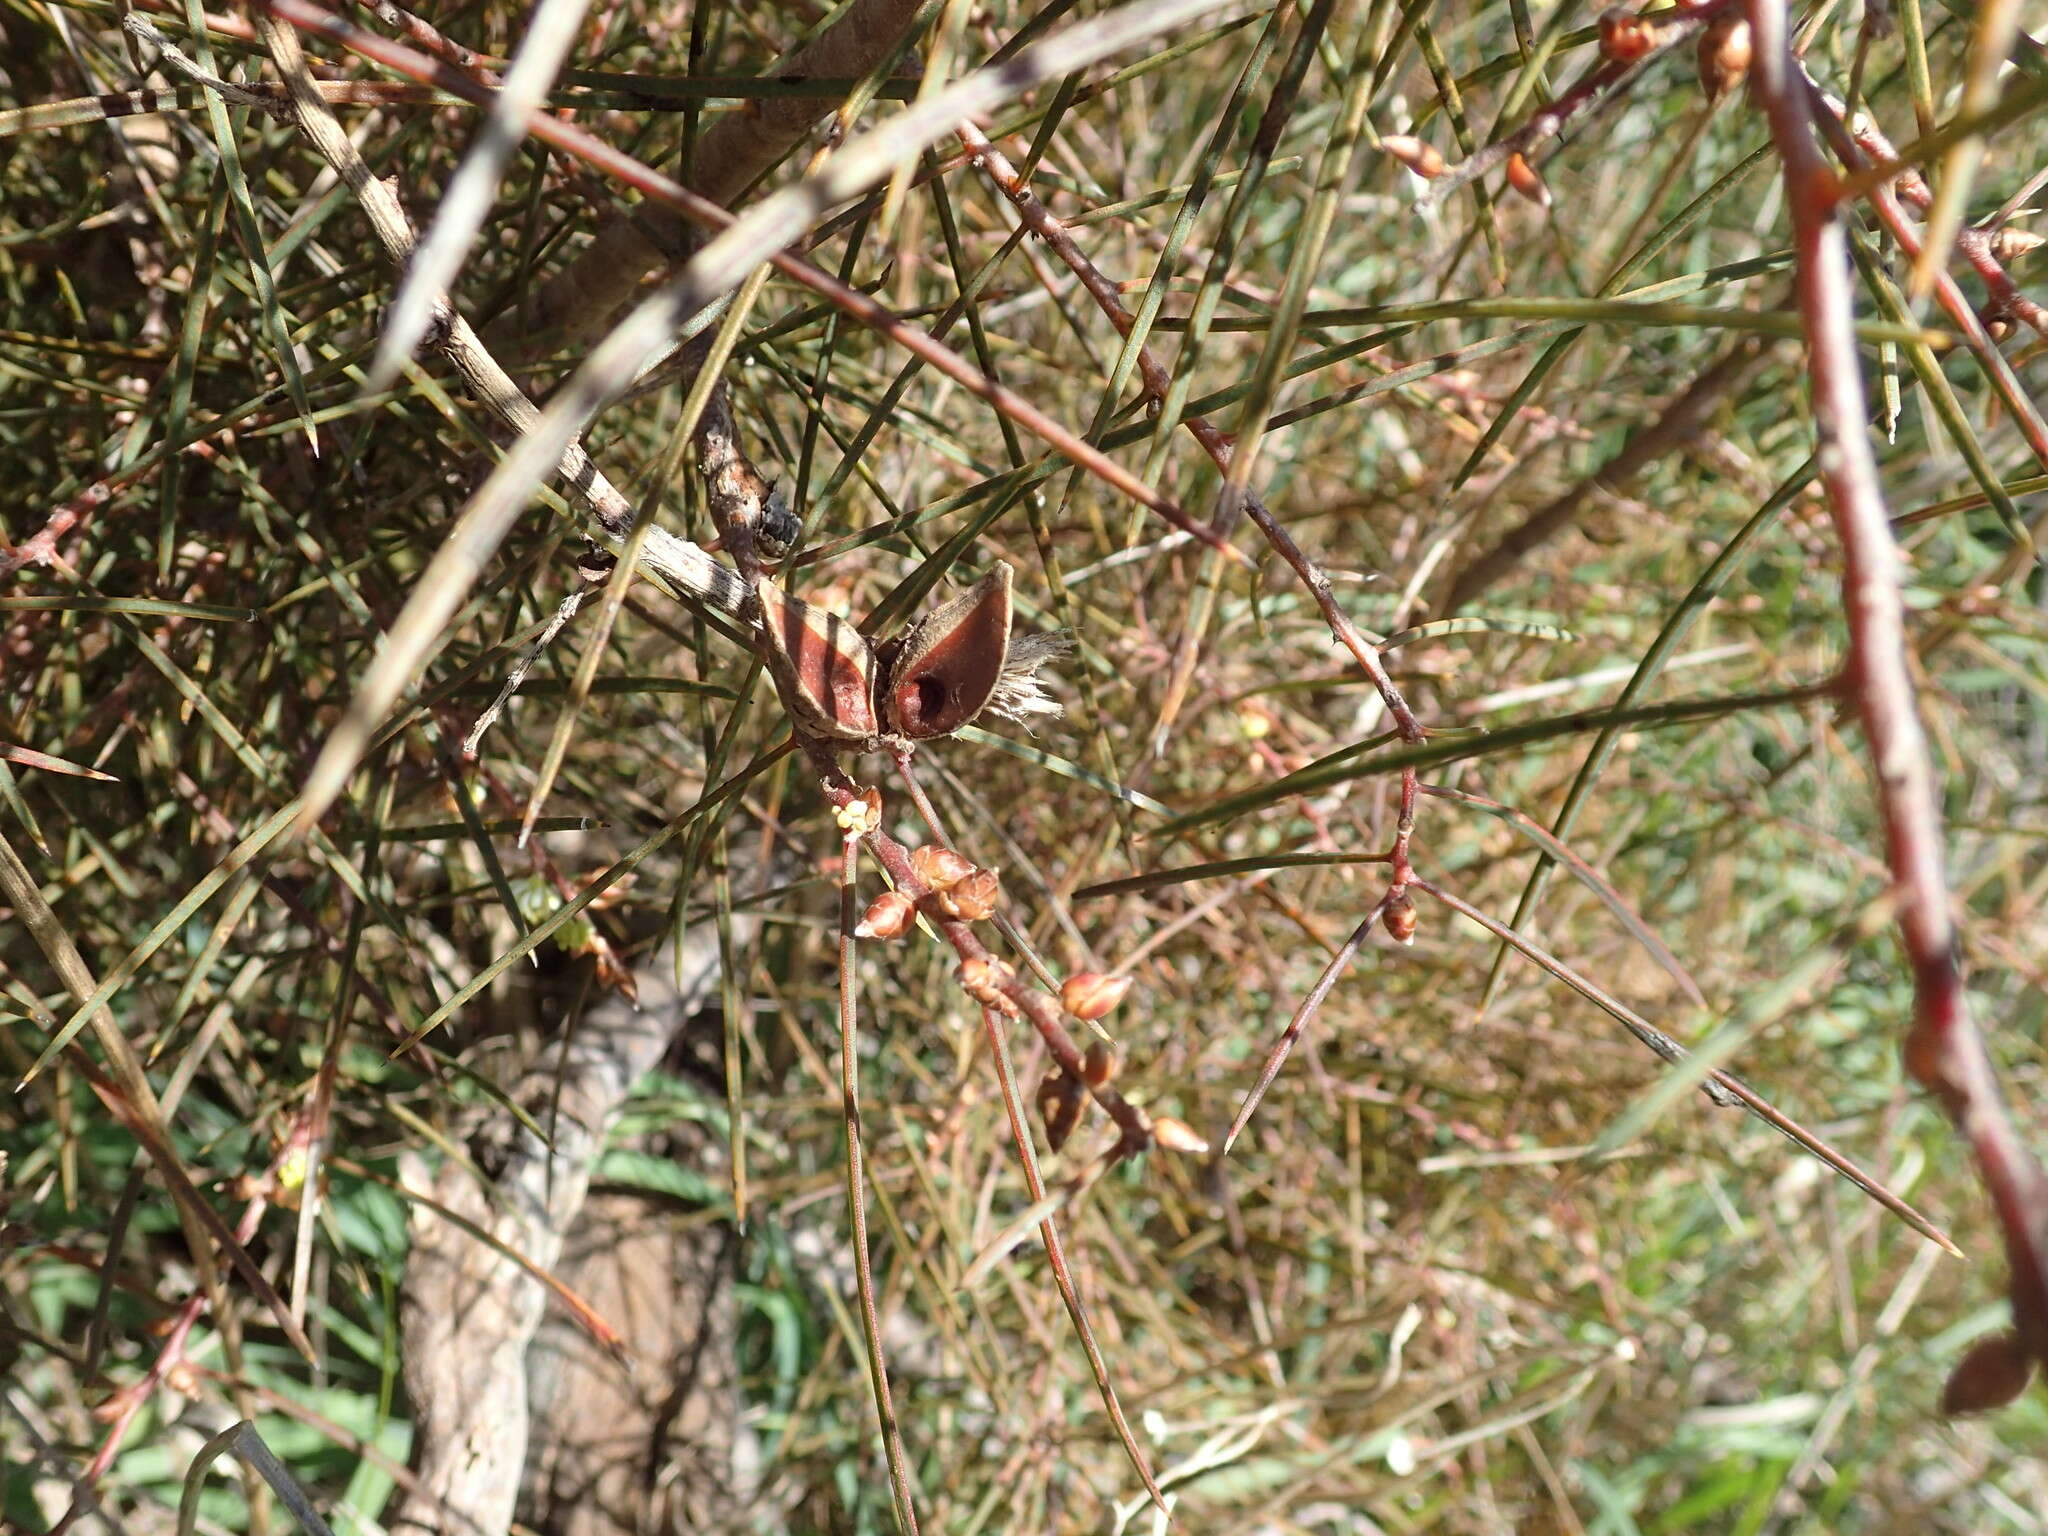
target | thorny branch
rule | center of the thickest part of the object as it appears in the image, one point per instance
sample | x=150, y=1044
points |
x=1395, y=909
x=1943, y=1050
x=1886, y=200
x=1598, y=86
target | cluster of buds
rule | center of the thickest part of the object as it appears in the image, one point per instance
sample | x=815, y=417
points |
x=1419, y=156
x=983, y=979
x=1625, y=36
x=938, y=867
x=1723, y=54
x=958, y=888
x=972, y=900
x=862, y=814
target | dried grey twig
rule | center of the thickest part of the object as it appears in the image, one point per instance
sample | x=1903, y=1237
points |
x=550, y=31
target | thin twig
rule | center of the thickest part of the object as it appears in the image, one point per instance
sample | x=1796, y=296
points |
x=1594, y=89
x=1717, y=1085
x=1276, y=1058
x=856, y=1184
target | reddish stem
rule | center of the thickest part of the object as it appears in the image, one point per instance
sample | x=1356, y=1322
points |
x=1944, y=1050
x=1018, y=995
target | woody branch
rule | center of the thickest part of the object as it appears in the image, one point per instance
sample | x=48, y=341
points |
x=1943, y=1049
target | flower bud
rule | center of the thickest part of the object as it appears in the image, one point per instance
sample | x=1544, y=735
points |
x=972, y=899
x=862, y=814
x=983, y=980
x=1400, y=920
x=2010, y=244
x=1624, y=36
x=1059, y=1107
x=887, y=917
x=1723, y=54
x=1523, y=178
x=1177, y=1136
x=1420, y=157
x=938, y=867
x=1090, y=994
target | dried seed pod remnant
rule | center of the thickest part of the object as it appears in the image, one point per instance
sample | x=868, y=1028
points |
x=936, y=677
x=887, y=917
x=947, y=666
x=822, y=663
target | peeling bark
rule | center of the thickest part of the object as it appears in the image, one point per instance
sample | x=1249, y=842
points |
x=469, y=1312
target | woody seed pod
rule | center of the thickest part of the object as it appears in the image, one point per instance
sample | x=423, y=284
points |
x=1420, y=157
x=1624, y=36
x=973, y=899
x=1724, y=53
x=1090, y=994
x=887, y=917
x=939, y=867
x=1059, y=1107
x=1177, y=1136
x=1400, y=920
x=1523, y=178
